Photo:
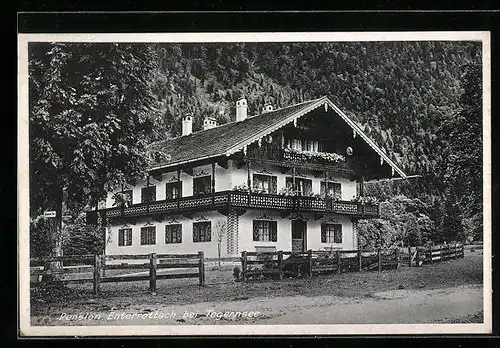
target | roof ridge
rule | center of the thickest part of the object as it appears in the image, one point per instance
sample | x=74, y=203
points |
x=232, y=122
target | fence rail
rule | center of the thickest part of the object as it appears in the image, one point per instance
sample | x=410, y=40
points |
x=96, y=266
x=421, y=255
x=279, y=264
x=284, y=263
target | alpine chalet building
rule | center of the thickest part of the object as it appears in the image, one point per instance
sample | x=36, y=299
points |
x=289, y=179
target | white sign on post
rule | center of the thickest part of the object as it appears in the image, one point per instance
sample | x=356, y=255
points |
x=50, y=214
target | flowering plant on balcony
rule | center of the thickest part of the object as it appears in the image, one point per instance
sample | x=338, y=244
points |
x=365, y=199
x=240, y=188
x=312, y=155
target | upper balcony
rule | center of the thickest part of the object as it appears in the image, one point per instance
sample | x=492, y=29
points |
x=304, y=159
x=222, y=201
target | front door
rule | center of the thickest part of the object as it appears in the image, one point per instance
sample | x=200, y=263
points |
x=299, y=233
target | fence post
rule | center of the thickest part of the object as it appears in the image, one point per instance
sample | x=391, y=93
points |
x=417, y=257
x=201, y=270
x=455, y=251
x=441, y=252
x=360, y=260
x=409, y=256
x=339, y=258
x=462, y=250
x=430, y=254
x=396, y=255
x=97, y=274
x=448, y=254
x=152, y=273
x=103, y=266
x=310, y=260
x=379, y=260
x=244, y=266
x=280, y=263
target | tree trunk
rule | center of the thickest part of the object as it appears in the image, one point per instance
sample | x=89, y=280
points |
x=218, y=251
x=56, y=239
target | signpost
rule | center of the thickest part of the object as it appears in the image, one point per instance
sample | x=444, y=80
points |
x=49, y=214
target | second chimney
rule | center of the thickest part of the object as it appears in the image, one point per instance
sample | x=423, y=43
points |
x=209, y=123
x=187, y=124
x=267, y=108
x=241, y=109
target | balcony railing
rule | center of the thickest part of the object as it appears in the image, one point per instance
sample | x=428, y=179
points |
x=245, y=200
x=299, y=159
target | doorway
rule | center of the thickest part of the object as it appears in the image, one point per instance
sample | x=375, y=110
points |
x=299, y=234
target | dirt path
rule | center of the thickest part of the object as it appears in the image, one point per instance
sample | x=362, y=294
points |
x=395, y=306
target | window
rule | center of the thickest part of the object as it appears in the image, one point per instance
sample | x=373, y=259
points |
x=202, y=231
x=128, y=194
x=125, y=237
x=304, y=145
x=331, y=233
x=173, y=234
x=148, y=194
x=303, y=187
x=333, y=189
x=265, y=231
x=148, y=235
x=265, y=183
x=202, y=185
x=174, y=190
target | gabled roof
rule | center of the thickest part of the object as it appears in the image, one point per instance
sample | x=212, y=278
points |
x=234, y=136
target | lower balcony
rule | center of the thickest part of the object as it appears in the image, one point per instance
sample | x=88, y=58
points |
x=241, y=200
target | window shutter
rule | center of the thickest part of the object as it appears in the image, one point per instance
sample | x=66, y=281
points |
x=338, y=233
x=129, y=237
x=274, y=185
x=273, y=231
x=323, y=234
x=120, y=237
x=256, y=225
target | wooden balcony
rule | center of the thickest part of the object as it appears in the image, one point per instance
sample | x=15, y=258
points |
x=293, y=159
x=242, y=200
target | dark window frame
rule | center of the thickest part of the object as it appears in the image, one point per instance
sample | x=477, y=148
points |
x=202, y=232
x=272, y=182
x=148, y=194
x=169, y=190
x=173, y=234
x=130, y=196
x=124, y=237
x=289, y=182
x=265, y=231
x=207, y=187
x=331, y=233
x=337, y=189
x=148, y=235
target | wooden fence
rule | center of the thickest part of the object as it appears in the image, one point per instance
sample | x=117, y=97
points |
x=418, y=256
x=98, y=268
x=282, y=264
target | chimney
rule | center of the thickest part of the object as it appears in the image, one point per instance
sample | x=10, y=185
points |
x=267, y=108
x=209, y=122
x=241, y=109
x=187, y=124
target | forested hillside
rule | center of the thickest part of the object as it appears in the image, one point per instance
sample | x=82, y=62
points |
x=404, y=94
x=420, y=101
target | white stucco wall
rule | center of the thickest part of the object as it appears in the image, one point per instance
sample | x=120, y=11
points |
x=284, y=226
x=186, y=247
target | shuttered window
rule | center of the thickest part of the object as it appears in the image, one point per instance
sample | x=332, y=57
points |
x=125, y=237
x=148, y=235
x=173, y=234
x=331, y=233
x=202, y=231
x=265, y=231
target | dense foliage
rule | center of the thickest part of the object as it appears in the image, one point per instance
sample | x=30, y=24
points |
x=421, y=101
